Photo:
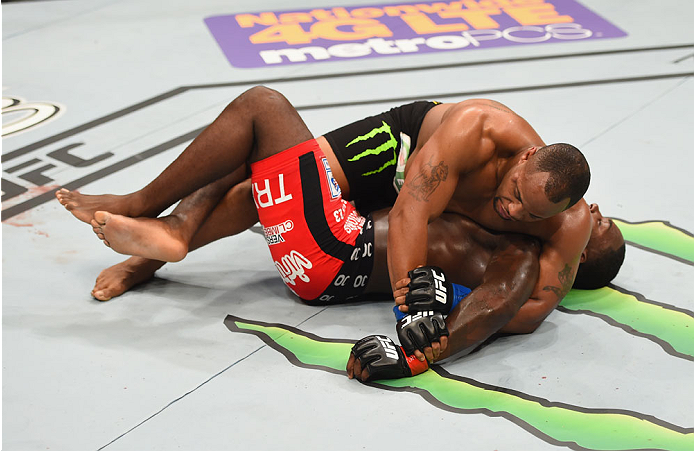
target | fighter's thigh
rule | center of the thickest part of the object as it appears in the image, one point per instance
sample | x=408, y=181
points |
x=276, y=123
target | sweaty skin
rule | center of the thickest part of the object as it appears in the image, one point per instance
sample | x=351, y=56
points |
x=502, y=267
x=470, y=159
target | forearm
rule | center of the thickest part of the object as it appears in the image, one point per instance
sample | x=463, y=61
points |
x=508, y=282
x=527, y=319
x=476, y=321
x=552, y=285
x=404, y=252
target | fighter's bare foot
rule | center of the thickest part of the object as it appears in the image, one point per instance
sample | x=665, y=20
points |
x=143, y=237
x=83, y=206
x=119, y=278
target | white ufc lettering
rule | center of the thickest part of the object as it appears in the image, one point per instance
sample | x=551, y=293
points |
x=355, y=254
x=368, y=247
x=263, y=197
x=440, y=288
x=388, y=347
x=410, y=318
x=292, y=266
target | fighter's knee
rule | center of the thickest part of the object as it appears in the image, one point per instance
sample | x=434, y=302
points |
x=257, y=102
x=261, y=96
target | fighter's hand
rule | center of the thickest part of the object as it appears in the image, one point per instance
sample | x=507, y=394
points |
x=431, y=353
x=378, y=357
x=354, y=369
x=401, y=290
x=423, y=334
x=429, y=289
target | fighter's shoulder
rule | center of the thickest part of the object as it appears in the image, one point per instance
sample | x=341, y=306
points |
x=486, y=107
x=575, y=222
x=489, y=119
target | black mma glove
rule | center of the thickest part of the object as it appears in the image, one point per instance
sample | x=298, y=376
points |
x=419, y=330
x=385, y=359
x=429, y=289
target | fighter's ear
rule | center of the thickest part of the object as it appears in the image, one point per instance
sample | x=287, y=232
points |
x=528, y=153
x=583, y=256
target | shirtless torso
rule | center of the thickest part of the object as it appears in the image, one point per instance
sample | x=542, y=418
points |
x=501, y=269
x=467, y=160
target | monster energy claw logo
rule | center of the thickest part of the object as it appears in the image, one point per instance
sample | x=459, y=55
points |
x=390, y=144
x=558, y=423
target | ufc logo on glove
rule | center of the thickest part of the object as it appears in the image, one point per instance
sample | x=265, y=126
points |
x=441, y=293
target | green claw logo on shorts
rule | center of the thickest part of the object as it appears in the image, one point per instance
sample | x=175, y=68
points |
x=554, y=422
x=390, y=144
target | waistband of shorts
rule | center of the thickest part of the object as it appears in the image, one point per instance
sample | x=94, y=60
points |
x=286, y=157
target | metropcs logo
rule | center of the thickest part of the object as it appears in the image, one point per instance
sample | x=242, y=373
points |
x=272, y=38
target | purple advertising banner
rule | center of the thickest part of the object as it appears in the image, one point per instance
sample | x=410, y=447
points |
x=340, y=33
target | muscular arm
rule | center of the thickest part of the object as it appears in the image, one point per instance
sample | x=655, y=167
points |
x=507, y=283
x=452, y=151
x=471, y=135
x=559, y=262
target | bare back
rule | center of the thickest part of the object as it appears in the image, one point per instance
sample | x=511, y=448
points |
x=491, y=136
x=466, y=155
x=502, y=136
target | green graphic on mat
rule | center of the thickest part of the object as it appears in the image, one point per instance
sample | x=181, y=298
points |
x=556, y=423
x=669, y=327
x=659, y=236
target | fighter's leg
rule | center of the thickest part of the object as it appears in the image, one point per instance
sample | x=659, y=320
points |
x=233, y=214
x=257, y=124
x=165, y=238
x=117, y=279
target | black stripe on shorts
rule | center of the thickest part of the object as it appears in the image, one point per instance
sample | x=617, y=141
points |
x=314, y=212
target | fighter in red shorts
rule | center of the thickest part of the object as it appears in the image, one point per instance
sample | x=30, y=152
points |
x=493, y=164
x=321, y=246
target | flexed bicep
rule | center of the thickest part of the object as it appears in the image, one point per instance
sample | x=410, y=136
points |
x=434, y=172
x=557, y=273
x=431, y=179
x=427, y=179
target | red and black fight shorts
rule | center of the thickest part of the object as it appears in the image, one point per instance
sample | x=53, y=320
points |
x=321, y=246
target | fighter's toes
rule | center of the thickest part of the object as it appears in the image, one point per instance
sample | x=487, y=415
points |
x=101, y=217
x=102, y=295
x=64, y=198
x=98, y=231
